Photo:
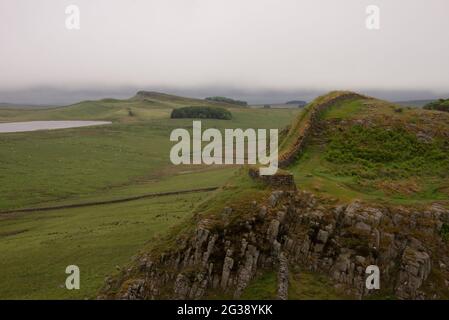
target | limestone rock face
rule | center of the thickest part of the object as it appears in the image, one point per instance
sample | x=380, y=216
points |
x=294, y=228
x=181, y=287
x=415, y=268
x=323, y=236
x=273, y=230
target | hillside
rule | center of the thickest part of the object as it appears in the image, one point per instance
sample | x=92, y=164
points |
x=143, y=106
x=69, y=170
x=378, y=151
x=370, y=187
x=440, y=105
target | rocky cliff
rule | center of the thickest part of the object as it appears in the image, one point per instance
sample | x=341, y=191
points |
x=294, y=228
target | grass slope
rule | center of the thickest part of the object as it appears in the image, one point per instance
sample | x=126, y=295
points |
x=36, y=248
x=128, y=158
x=378, y=151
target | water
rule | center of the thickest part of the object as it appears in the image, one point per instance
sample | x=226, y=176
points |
x=46, y=125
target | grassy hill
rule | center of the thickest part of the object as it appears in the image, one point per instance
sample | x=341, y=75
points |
x=342, y=149
x=145, y=105
x=62, y=167
x=355, y=147
x=373, y=149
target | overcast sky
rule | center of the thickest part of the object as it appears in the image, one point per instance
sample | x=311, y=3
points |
x=235, y=44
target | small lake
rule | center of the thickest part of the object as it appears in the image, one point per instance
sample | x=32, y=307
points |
x=46, y=125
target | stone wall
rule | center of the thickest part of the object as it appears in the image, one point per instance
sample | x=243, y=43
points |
x=280, y=180
x=287, y=157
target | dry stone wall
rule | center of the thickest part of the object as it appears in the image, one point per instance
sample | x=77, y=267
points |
x=308, y=126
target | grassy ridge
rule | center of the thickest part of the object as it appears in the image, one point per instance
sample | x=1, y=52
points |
x=378, y=151
x=143, y=106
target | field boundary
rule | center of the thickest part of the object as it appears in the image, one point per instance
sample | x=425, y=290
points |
x=96, y=203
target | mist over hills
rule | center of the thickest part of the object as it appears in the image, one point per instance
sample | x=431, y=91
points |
x=64, y=96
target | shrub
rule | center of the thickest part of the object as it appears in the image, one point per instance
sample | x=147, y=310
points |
x=440, y=105
x=201, y=113
x=300, y=103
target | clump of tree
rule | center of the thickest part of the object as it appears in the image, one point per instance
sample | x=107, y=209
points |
x=299, y=103
x=267, y=106
x=440, y=105
x=201, y=113
x=228, y=100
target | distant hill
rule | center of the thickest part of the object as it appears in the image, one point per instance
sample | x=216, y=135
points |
x=414, y=103
x=142, y=106
x=162, y=98
x=300, y=103
x=165, y=99
x=6, y=105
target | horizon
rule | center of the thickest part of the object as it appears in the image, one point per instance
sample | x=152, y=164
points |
x=39, y=96
x=260, y=51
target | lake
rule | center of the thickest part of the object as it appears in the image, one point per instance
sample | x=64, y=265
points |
x=46, y=125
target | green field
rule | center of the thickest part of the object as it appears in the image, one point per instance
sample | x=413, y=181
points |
x=127, y=158
x=36, y=248
x=42, y=167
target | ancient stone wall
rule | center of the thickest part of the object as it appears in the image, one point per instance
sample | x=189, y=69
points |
x=287, y=157
x=281, y=180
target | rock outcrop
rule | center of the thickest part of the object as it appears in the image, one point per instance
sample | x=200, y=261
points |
x=295, y=228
